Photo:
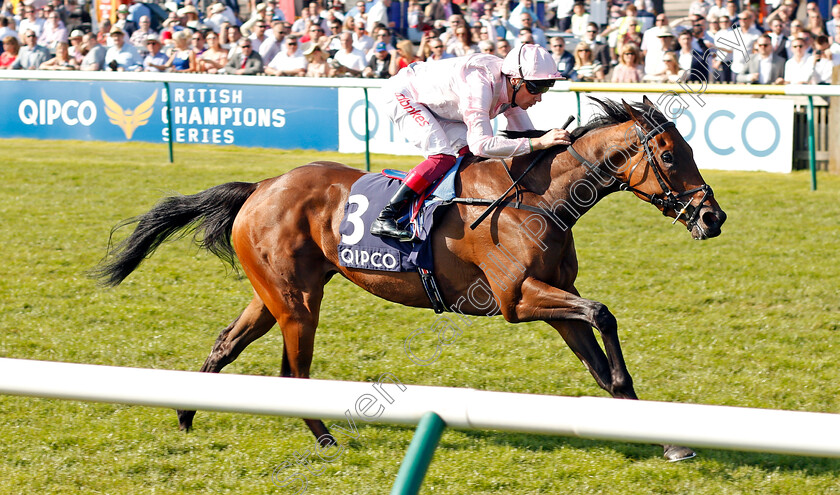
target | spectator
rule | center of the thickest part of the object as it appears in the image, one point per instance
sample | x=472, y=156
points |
x=799, y=69
x=189, y=18
x=565, y=60
x=455, y=21
x=651, y=45
x=379, y=65
x=218, y=14
x=436, y=50
x=59, y=8
x=832, y=24
x=31, y=55
x=77, y=52
x=334, y=42
x=486, y=47
x=440, y=11
x=563, y=13
x=214, y=58
x=685, y=55
x=141, y=34
x=778, y=39
x=122, y=56
x=182, y=58
x=378, y=14
x=655, y=59
x=258, y=36
x=600, y=51
x=7, y=28
x=764, y=67
x=381, y=34
x=316, y=62
x=405, y=56
x=315, y=36
x=718, y=9
x=53, y=32
x=31, y=22
x=528, y=23
x=234, y=35
x=502, y=48
x=290, y=62
x=671, y=72
x=749, y=34
x=587, y=69
x=122, y=21
x=246, y=61
x=360, y=38
x=580, y=19
x=360, y=14
x=350, y=61
x=275, y=42
x=62, y=59
x=155, y=60
x=463, y=43
x=95, y=57
x=523, y=7
x=823, y=63
x=11, y=48
x=197, y=45
x=628, y=69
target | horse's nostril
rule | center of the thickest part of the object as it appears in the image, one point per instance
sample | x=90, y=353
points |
x=714, y=219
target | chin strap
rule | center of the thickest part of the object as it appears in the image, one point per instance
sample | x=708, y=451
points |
x=516, y=88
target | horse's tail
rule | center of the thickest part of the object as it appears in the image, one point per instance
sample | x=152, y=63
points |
x=209, y=214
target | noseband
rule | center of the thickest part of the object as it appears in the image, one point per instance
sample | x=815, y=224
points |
x=668, y=199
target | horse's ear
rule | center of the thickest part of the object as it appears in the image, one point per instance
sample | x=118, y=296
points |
x=647, y=102
x=637, y=117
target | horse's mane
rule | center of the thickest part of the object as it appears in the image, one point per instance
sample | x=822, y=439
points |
x=613, y=113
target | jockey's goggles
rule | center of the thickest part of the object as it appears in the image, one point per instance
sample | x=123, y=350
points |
x=539, y=87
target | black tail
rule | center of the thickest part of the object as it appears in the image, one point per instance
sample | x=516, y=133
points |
x=209, y=214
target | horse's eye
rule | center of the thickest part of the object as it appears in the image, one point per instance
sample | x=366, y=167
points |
x=667, y=157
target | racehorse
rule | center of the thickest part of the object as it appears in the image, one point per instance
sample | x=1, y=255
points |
x=284, y=232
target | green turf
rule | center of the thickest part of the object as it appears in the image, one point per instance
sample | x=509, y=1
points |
x=747, y=319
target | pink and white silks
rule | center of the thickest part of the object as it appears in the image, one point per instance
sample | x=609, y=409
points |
x=444, y=106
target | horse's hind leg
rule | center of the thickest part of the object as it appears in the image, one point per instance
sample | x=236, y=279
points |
x=252, y=324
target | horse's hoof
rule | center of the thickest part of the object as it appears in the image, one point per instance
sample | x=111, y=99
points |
x=185, y=420
x=675, y=453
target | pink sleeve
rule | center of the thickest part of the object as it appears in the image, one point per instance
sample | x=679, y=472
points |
x=475, y=108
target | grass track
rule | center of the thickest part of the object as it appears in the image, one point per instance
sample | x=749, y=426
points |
x=748, y=319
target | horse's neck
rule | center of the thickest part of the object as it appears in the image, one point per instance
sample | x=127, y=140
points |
x=576, y=187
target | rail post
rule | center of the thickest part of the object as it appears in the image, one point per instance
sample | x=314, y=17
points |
x=419, y=455
x=812, y=146
x=367, y=131
x=169, y=120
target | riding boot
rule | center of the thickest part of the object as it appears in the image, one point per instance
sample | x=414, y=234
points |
x=386, y=224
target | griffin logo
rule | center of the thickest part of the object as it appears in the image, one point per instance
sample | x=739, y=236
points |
x=129, y=120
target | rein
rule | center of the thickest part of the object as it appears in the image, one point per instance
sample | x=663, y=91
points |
x=668, y=200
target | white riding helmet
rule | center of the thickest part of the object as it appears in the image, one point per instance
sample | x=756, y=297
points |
x=531, y=62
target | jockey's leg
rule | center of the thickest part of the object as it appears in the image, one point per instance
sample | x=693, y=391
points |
x=417, y=180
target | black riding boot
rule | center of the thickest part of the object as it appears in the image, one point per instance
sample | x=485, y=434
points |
x=386, y=224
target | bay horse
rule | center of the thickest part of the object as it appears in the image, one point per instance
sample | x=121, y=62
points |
x=284, y=233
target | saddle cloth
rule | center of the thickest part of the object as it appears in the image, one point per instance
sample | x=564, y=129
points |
x=368, y=195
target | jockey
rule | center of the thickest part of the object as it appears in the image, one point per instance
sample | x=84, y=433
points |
x=446, y=108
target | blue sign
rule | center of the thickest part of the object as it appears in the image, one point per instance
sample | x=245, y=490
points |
x=265, y=116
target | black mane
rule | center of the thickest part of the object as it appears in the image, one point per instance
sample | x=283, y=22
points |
x=612, y=113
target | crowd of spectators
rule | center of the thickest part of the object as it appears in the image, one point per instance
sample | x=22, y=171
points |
x=592, y=40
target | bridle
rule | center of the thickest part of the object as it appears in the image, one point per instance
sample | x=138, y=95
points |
x=668, y=199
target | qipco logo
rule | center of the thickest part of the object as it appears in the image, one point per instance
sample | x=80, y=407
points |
x=48, y=112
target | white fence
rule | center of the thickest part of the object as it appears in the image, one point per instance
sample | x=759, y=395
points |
x=388, y=401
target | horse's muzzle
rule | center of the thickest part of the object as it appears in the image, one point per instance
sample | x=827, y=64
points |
x=708, y=223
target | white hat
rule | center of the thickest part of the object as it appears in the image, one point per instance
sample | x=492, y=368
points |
x=530, y=62
x=216, y=8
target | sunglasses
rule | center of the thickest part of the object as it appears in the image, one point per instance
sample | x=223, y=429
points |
x=291, y=43
x=797, y=46
x=436, y=47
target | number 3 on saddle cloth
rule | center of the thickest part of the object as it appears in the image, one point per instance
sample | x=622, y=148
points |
x=359, y=249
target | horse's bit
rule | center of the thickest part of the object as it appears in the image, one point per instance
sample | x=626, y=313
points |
x=668, y=199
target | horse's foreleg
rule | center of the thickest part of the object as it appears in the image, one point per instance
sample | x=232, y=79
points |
x=252, y=324
x=573, y=317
